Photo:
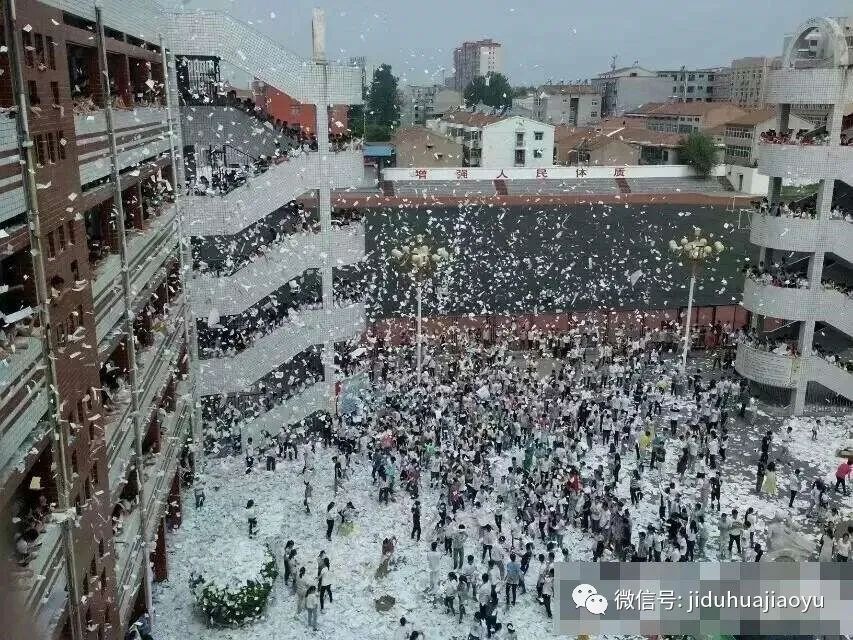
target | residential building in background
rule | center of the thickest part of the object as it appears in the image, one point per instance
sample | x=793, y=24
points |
x=421, y=103
x=809, y=324
x=699, y=85
x=629, y=88
x=498, y=141
x=749, y=80
x=473, y=59
x=367, y=68
x=422, y=147
x=741, y=139
x=576, y=105
x=686, y=117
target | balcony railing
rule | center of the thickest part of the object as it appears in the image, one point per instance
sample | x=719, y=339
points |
x=237, y=373
x=233, y=294
x=147, y=251
x=44, y=580
x=153, y=367
x=141, y=134
x=158, y=476
x=260, y=196
x=129, y=552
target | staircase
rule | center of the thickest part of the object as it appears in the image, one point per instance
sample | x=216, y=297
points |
x=212, y=33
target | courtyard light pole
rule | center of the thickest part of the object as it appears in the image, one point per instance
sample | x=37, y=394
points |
x=694, y=251
x=419, y=258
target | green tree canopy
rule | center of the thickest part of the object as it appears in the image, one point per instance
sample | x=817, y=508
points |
x=383, y=103
x=698, y=151
x=492, y=89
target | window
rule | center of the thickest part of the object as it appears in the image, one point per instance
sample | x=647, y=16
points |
x=60, y=138
x=42, y=61
x=60, y=232
x=519, y=157
x=538, y=135
x=51, y=52
x=519, y=138
x=51, y=157
x=54, y=92
x=537, y=153
x=29, y=52
x=593, y=114
x=51, y=249
x=690, y=89
x=33, y=90
x=71, y=233
x=38, y=142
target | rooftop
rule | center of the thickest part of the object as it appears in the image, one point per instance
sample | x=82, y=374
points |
x=752, y=118
x=593, y=137
x=566, y=89
x=681, y=108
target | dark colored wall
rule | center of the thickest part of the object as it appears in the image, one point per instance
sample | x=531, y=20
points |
x=527, y=259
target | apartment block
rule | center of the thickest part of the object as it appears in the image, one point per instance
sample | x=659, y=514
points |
x=472, y=59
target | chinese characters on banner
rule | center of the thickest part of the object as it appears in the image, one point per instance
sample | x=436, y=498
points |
x=421, y=174
x=542, y=173
x=462, y=174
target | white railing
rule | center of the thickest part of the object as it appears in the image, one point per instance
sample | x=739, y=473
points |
x=17, y=430
x=831, y=376
x=233, y=294
x=129, y=551
x=805, y=162
x=317, y=397
x=158, y=477
x=805, y=235
x=147, y=251
x=210, y=33
x=19, y=362
x=269, y=191
x=237, y=373
x=781, y=370
x=120, y=445
x=788, y=303
x=153, y=371
x=124, y=120
x=766, y=367
x=46, y=581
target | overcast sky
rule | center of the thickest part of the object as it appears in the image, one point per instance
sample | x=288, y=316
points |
x=542, y=39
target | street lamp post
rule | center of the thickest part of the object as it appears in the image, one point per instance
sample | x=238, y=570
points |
x=419, y=259
x=695, y=251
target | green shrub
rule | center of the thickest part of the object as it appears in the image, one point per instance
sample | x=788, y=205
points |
x=235, y=606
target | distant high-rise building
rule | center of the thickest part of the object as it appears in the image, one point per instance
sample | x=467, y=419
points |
x=749, y=80
x=699, y=85
x=473, y=59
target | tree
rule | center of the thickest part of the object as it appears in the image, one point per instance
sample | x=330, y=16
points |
x=698, y=151
x=355, y=117
x=383, y=103
x=493, y=89
x=377, y=132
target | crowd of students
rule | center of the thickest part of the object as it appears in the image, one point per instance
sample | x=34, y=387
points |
x=603, y=450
